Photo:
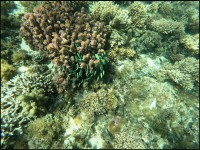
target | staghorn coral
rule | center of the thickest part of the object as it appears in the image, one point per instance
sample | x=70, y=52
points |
x=182, y=12
x=99, y=102
x=166, y=9
x=105, y=11
x=12, y=120
x=74, y=44
x=185, y=73
x=23, y=98
x=153, y=7
x=164, y=26
x=7, y=70
x=25, y=83
x=120, y=53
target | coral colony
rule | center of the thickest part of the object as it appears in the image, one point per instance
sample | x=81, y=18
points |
x=99, y=75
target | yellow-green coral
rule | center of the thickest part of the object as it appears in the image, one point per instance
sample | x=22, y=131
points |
x=7, y=70
x=120, y=53
x=137, y=12
x=99, y=102
x=191, y=43
x=184, y=73
x=34, y=103
x=165, y=26
x=104, y=11
x=20, y=55
x=41, y=132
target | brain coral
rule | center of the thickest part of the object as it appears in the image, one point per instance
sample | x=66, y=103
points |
x=71, y=39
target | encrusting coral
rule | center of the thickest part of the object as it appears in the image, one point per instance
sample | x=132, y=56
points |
x=72, y=39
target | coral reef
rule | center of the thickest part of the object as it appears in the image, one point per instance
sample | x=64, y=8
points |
x=74, y=44
x=10, y=25
x=23, y=98
x=35, y=102
x=145, y=53
x=185, y=73
x=99, y=103
x=120, y=53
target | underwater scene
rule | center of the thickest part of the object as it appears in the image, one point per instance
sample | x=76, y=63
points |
x=99, y=75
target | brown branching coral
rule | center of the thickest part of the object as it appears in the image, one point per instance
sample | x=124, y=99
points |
x=72, y=39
